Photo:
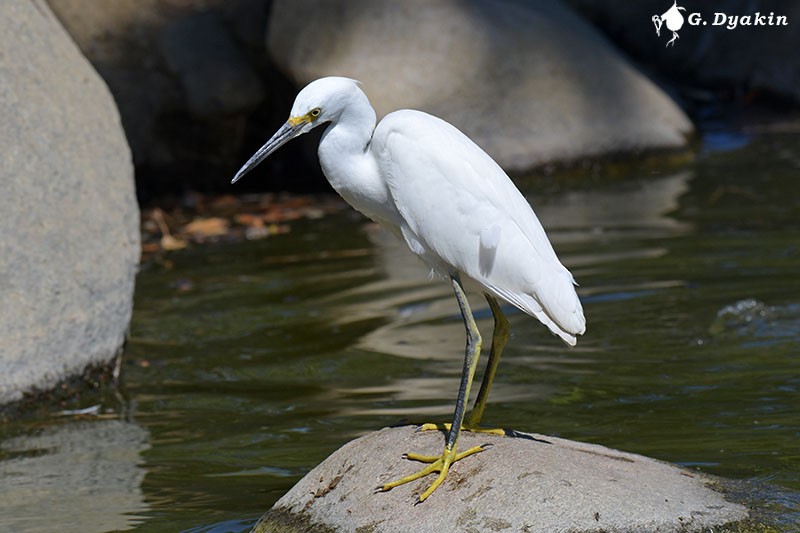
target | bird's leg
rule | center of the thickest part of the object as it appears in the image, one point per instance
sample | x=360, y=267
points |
x=499, y=339
x=450, y=455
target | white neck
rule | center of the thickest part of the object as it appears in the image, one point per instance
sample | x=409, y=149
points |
x=348, y=135
x=348, y=162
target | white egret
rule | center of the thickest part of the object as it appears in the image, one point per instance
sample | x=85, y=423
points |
x=431, y=186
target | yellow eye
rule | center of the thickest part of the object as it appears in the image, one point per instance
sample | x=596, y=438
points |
x=314, y=113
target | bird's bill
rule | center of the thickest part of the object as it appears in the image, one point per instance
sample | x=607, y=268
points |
x=287, y=132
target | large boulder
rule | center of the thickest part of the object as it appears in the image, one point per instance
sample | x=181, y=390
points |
x=521, y=483
x=530, y=82
x=69, y=234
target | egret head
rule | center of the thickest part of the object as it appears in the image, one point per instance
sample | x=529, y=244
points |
x=321, y=101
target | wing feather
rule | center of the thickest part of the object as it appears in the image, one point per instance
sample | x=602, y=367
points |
x=462, y=212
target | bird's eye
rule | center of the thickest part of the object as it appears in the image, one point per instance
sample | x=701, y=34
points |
x=315, y=112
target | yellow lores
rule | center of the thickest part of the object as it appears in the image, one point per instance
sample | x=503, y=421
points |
x=309, y=117
x=455, y=208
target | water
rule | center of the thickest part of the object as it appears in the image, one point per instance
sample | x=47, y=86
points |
x=249, y=363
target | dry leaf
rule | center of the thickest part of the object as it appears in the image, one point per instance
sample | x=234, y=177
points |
x=168, y=243
x=207, y=227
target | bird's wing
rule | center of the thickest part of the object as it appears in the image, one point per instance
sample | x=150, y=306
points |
x=461, y=209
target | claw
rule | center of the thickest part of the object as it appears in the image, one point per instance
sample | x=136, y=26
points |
x=438, y=463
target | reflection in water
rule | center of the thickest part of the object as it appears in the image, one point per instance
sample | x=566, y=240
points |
x=79, y=477
x=642, y=207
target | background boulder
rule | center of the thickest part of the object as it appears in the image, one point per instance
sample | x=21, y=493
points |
x=531, y=83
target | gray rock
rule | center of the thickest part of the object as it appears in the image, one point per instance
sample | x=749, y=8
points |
x=532, y=83
x=69, y=231
x=528, y=483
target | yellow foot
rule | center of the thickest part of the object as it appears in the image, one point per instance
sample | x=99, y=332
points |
x=471, y=429
x=439, y=464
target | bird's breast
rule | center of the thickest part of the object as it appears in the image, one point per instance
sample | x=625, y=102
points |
x=357, y=179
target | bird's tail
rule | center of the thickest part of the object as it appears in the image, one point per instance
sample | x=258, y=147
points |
x=569, y=324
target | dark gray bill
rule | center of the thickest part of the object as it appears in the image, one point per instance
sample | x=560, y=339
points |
x=284, y=134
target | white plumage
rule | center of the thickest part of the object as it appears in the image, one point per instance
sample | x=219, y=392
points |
x=455, y=208
x=459, y=210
